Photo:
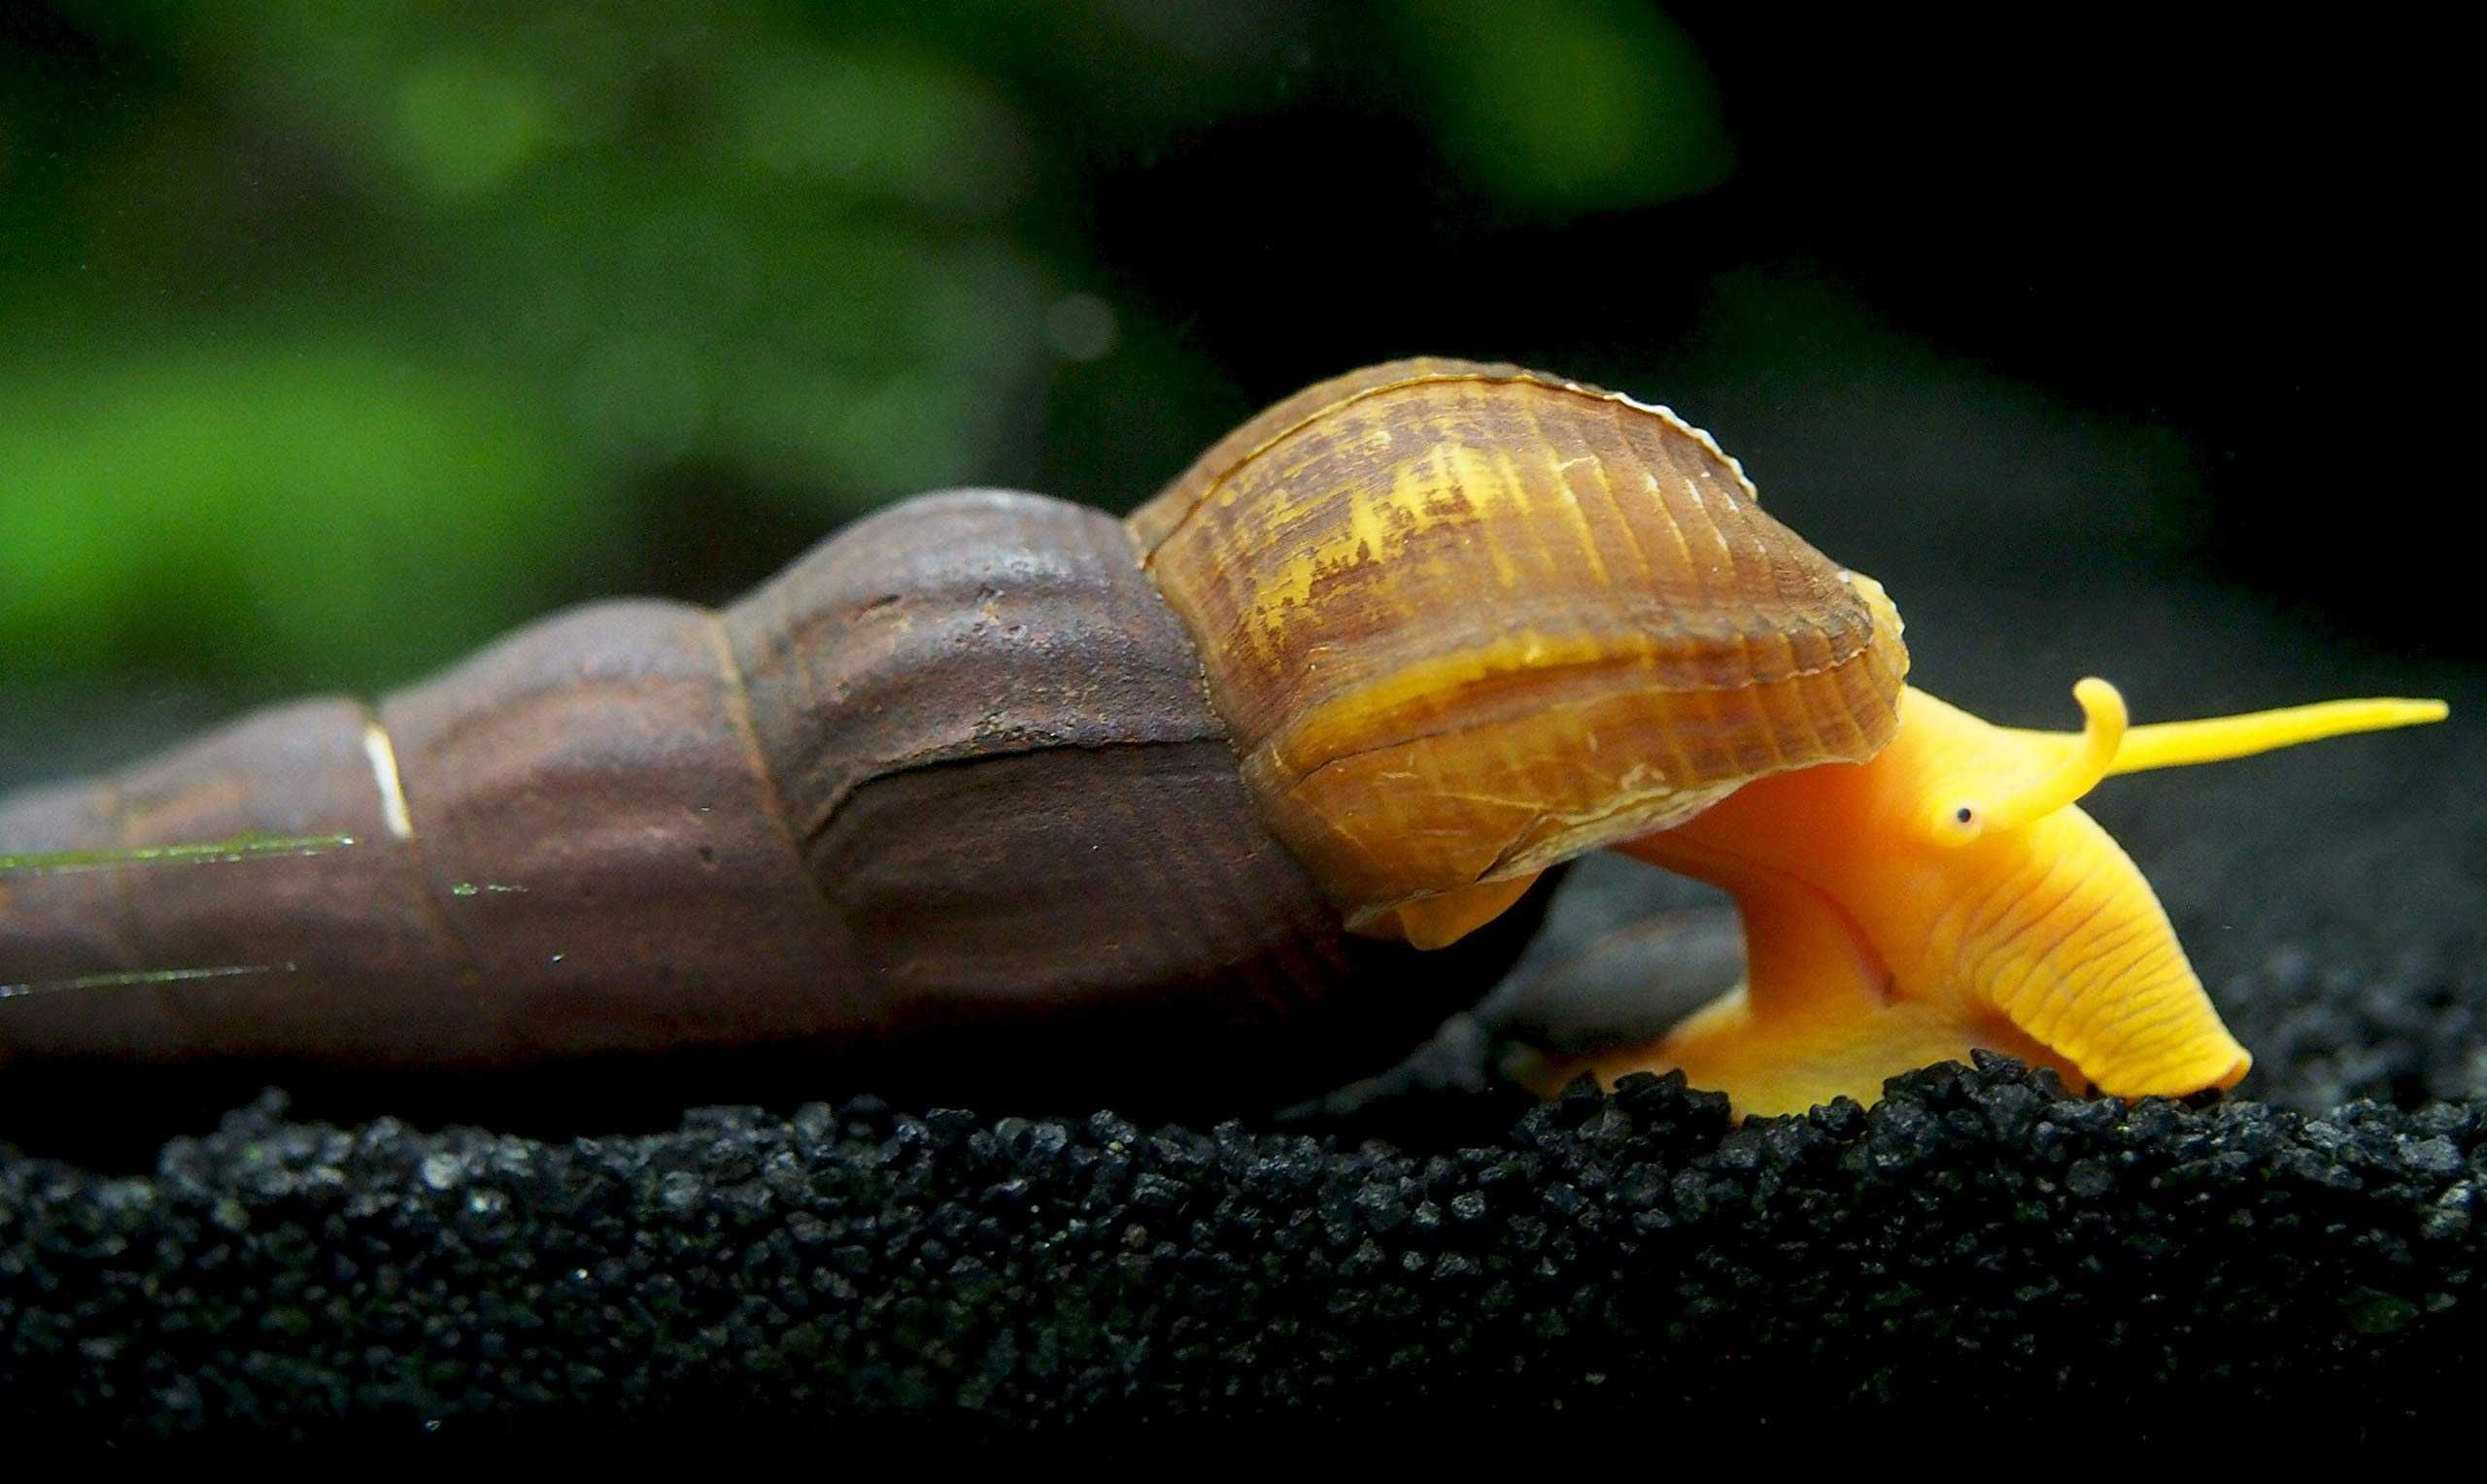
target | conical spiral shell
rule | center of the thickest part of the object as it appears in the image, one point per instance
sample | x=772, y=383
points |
x=1466, y=621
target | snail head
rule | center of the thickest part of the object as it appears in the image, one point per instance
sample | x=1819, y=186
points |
x=1951, y=894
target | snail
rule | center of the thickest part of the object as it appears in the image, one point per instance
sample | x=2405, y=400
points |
x=1220, y=794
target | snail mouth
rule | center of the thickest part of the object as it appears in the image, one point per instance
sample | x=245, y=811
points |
x=2083, y=965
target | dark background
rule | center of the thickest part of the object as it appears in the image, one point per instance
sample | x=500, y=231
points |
x=332, y=343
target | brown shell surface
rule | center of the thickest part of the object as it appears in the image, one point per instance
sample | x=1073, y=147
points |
x=1466, y=621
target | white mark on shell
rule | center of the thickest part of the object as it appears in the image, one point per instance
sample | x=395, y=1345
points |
x=382, y=753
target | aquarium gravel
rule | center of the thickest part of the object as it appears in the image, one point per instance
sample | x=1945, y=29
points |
x=1977, y=1249
x=1975, y=1238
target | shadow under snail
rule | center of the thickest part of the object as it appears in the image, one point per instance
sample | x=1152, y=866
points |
x=1221, y=793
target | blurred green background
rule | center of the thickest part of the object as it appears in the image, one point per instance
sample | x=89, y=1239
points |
x=334, y=340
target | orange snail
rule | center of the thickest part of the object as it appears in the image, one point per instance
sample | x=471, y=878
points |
x=989, y=761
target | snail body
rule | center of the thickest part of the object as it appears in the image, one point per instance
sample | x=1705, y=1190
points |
x=1948, y=896
x=1240, y=790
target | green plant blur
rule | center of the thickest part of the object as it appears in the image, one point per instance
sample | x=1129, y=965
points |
x=335, y=339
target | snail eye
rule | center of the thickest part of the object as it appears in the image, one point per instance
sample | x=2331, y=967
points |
x=1959, y=823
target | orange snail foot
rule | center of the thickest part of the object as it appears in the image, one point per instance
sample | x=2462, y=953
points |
x=1790, y=1063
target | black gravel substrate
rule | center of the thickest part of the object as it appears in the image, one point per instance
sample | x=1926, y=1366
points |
x=1977, y=1244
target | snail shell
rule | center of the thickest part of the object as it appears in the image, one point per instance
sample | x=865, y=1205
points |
x=1463, y=622
x=989, y=762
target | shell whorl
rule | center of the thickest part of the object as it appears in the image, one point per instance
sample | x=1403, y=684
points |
x=1465, y=620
